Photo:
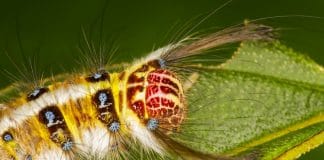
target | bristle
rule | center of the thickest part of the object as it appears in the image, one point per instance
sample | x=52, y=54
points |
x=94, y=58
x=229, y=35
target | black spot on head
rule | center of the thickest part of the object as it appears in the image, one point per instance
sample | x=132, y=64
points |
x=7, y=137
x=36, y=93
x=99, y=76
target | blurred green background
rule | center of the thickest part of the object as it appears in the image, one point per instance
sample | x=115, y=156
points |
x=51, y=29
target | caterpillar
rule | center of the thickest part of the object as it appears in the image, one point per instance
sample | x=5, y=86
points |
x=136, y=110
x=106, y=114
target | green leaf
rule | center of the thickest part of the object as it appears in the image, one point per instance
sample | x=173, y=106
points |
x=266, y=101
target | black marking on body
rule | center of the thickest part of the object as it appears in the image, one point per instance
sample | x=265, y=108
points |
x=105, y=106
x=99, y=76
x=53, y=119
x=134, y=79
x=104, y=102
x=155, y=64
x=36, y=93
x=7, y=137
x=143, y=68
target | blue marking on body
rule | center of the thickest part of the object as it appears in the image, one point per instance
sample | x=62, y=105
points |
x=35, y=92
x=97, y=75
x=50, y=116
x=7, y=137
x=152, y=124
x=162, y=63
x=66, y=146
x=114, y=126
x=103, y=98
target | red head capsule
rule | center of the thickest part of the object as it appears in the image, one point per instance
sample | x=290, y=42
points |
x=156, y=93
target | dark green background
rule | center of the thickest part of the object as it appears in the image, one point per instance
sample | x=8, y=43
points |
x=51, y=28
